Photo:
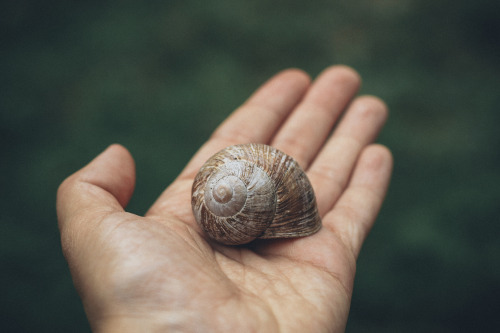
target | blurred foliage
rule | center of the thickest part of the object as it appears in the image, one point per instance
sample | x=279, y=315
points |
x=158, y=76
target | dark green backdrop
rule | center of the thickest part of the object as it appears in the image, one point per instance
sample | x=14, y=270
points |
x=158, y=76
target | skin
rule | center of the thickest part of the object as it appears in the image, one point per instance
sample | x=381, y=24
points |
x=158, y=272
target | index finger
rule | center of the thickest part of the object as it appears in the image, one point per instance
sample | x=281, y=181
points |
x=258, y=119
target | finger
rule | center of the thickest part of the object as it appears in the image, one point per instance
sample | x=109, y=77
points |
x=354, y=214
x=331, y=170
x=104, y=186
x=336, y=246
x=307, y=128
x=257, y=119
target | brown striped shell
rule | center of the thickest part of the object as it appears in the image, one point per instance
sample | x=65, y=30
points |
x=253, y=191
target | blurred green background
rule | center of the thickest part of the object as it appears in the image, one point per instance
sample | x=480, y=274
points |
x=159, y=76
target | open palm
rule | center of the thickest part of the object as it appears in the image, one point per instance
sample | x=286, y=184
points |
x=159, y=273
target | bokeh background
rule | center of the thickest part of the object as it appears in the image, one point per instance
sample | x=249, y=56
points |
x=159, y=76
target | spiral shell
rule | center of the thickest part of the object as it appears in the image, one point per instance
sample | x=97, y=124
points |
x=253, y=191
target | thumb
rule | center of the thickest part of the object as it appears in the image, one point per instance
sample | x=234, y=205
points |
x=102, y=187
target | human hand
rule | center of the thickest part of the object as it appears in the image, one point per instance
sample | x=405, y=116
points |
x=158, y=272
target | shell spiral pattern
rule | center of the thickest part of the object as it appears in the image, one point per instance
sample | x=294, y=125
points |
x=253, y=191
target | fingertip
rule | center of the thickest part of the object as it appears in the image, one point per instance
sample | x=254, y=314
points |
x=289, y=84
x=296, y=74
x=114, y=171
x=375, y=166
x=363, y=120
x=107, y=181
x=343, y=73
x=123, y=160
x=289, y=80
x=371, y=109
x=379, y=154
x=117, y=148
x=374, y=101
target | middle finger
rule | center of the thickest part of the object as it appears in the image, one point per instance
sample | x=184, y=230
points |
x=306, y=129
x=332, y=168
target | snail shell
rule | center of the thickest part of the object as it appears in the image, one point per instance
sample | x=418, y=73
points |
x=253, y=191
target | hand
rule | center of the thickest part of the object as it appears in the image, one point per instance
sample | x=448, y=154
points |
x=158, y=272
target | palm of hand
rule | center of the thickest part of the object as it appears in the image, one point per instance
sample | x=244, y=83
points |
x=159, y=271
x=162, y=265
